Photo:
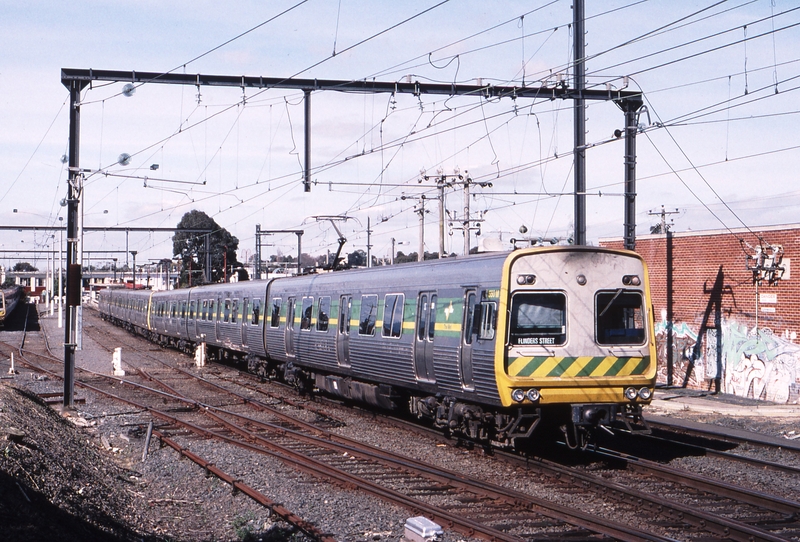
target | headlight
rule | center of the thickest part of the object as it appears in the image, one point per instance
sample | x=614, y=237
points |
x=645, y=394
x=533, y=395
x=518, y=395
x=630, y=394
x=631, y=280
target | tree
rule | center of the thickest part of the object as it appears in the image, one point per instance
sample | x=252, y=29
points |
x=23, y=267
x=190, y=247
x=357, y=259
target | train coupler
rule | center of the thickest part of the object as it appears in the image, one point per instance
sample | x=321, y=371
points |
x=632, y=417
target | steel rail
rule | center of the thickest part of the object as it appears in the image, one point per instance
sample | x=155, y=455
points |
x=276, y=508
x=320, y=469
x=288, y=516
x=732, y=529
x=710, y=522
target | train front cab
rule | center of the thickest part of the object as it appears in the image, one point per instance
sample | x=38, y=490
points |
x=579, y=347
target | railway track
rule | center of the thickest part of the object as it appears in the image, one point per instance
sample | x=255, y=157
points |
x=761, y=516
x=696, y=502
x=457, y=502
x=503, y=514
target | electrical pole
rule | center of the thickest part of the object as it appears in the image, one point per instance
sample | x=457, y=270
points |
x=579, y=112
x=467, y=219
x=663, y=214
x=74, y=188
x=630, y=106
x=421, y=213
x=369, y=245
x=307, y=150
x=134, y=253
x=441, y=185
x=258, y=252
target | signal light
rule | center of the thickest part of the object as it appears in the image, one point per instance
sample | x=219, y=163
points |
x=645, y=394
x=518, y=395
x=630, y=394
x=533, y=395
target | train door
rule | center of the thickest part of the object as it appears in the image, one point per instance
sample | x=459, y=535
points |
x=193, y=317
x=182, y=325
x=216, y=311
x=245, y=319
x=468, y=335
x=289, y=331
x=343, y=333
x=423, y=344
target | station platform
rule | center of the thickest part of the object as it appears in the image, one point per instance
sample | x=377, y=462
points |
x=703, y=402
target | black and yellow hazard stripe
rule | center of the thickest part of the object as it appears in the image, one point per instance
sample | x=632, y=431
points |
x=587, y=366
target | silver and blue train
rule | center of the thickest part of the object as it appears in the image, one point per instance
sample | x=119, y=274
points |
x=9, y=298
x=491, y=346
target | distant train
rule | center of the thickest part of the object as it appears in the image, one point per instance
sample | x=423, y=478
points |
x=490, y=346
x=9, y=297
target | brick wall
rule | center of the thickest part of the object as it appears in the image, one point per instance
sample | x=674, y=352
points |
x=715, y=328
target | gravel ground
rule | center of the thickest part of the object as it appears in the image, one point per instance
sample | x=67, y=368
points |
x=86, y=480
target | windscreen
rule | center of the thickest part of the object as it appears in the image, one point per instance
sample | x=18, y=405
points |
x=620, y=317
x=538, y=318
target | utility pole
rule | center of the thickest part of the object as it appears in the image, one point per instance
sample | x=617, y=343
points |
x=579, y=112
x=630, y=106
x=134, y=253
x=74, y=189
x=467, y=219
x=369, y=245
x=257, y=267
x=663, y=214
x=421, y=212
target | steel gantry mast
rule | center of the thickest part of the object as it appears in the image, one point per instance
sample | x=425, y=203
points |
x=75, y=80
x=561, y=90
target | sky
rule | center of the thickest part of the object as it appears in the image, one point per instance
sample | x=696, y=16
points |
x=717, y=145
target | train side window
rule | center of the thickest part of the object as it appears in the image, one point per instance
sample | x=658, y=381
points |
x=432, y=319
x=393, y=315
x=323, y=310
x=204, y=310
x=183, y=309
x=422, y=317
x=245, y=310
x=256, y=311
x=369, y=313
x=305, y=314
x=192, y=306
x=485, y=320
x=469, y=317
x=212, y=310
x=620, y=317
x=226, y=311
x=345, y=305
x=235, y=311
x=275, y=320
x=538, y=318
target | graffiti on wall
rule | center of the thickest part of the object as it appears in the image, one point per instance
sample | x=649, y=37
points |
x=750, y=362
x=760, y=364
